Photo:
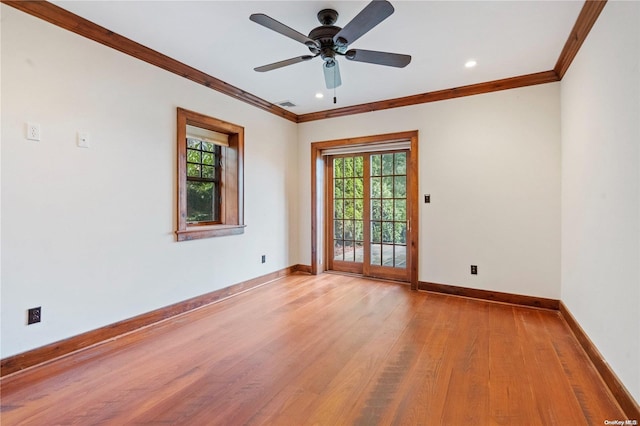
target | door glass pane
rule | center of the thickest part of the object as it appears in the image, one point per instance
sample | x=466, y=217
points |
x=387, y=255
x=376, y=168
x=400, y=187
x=376, y=232
x=400, y=210
x=400, y=233
x=375, y=188
x=387, y=232
x=387, y=164
x=401, y=163
x=348, y=208
x=376, y=254
x=338, y=209
x=387, y=187
x=348, y=167
x=359, y=253
x=389, y=209
x=376, y=209
x=400, y=256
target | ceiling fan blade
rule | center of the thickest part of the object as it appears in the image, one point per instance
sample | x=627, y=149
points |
x=374, y=13
x=284, y=63
x=380, y=58
x=272, y=24
x=331, y=74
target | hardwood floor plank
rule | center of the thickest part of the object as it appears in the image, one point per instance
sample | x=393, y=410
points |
x=326, y=350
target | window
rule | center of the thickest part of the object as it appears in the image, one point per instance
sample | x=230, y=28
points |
x=210, y=177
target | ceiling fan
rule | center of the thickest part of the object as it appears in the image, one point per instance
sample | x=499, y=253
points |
x=329, y=41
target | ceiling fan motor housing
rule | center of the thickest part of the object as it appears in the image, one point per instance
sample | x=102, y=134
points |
x=324, y=36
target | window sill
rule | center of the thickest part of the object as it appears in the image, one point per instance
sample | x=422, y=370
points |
x=209, y=231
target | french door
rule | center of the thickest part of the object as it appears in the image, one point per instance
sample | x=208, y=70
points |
x=367, y=214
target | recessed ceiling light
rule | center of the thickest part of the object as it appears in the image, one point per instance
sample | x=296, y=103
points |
x=319, y=95
x=470, y=64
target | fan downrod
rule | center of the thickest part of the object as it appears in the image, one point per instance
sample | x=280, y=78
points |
x=327, y=16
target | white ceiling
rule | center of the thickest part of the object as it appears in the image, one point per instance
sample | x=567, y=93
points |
x=506, y=38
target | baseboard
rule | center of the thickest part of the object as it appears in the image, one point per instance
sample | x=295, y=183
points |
x=495, y=296
x=58, y=349
x=619, y=391
x=302, y=268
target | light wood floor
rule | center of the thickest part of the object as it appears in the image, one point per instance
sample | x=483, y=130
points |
x=325, y=350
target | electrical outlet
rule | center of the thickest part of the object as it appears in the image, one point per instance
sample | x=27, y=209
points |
x=264, y=258
x=34, y=315
x=474, y=269
x=33, y=132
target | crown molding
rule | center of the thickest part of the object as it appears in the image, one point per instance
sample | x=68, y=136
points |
x=440, y=95
x=69, y=21
x=74, y=23
x=586, y=19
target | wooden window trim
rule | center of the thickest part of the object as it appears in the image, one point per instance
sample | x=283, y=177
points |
x=232, y=179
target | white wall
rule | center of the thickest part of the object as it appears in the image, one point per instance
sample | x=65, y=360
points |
x=601, y=189
x=492, y=166
x=88, y=234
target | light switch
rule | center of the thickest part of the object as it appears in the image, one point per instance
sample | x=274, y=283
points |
x=83, y=140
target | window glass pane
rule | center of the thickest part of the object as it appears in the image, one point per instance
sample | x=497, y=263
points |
x=400, y=190
x=200, y=202
x=376, y=169
x=193, y=170
x=208, y=172
x=208, y=146
x=348, y=167
x=401, y=163
x=387, y=187
x=193, y=156
x=375, y=188
x=387, y=164
x=207, y=158
x=387, y=209
x=400, y=211
x=193, y=143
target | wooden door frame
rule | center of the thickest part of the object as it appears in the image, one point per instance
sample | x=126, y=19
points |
x=318, y=195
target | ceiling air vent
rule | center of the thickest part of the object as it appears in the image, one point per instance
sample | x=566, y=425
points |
x=286, y=104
